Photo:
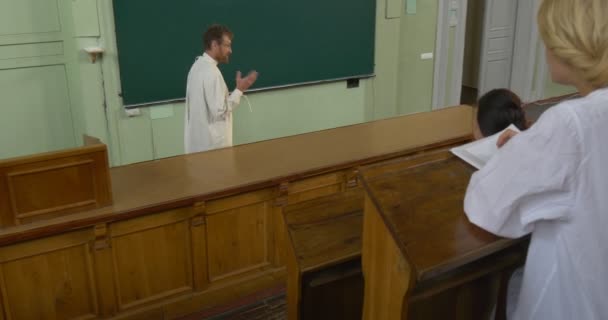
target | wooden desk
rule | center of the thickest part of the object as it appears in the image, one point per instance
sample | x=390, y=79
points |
x=190, y=232
x=422, y=259
x=324, y=279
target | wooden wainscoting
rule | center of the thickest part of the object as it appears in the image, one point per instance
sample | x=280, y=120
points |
x=152, y=257
x=53, y=184
x=239, y=238
x=50, y=278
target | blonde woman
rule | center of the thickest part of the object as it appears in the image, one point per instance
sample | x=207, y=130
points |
x=552, y=180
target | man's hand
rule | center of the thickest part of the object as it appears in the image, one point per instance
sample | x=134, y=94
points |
x=244, y=83
x=505, y=137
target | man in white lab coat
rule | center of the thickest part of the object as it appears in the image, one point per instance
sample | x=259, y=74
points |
x=209, y=105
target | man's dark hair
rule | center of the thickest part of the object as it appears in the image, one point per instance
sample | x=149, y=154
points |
x=498, y=109
x=216, y=32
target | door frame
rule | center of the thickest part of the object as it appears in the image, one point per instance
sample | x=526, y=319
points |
x=441, y=96
x=528, y=54
x=528, y=70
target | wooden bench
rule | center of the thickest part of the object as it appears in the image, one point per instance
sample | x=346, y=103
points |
x=324, y=261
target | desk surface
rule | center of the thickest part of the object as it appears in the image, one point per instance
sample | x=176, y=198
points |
x=155, y=186
x=420, y=199
x=326, y=231
x=211, y=173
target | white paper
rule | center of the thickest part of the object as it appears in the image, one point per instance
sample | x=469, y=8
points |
x=479, y=152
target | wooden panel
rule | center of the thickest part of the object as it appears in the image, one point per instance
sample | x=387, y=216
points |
x=104, y=271
x=151, y=263
x=50, y=279
x=468, y=293
x=228, y=203
x=53, y=188
x=326, y=231
x=294, y=284
x=328, y=242
x=421, y=200
x=387, y=274
x=237, y=240
x=199, y=252
x=413, y=213
x=347, y=202
x=278, y=237
x=42, y=246
x=153, y=221
x=322, y=233
x=473, y=301
x=49, y=185
x=315, y=187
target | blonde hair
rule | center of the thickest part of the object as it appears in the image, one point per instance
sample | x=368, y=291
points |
x=576, y=31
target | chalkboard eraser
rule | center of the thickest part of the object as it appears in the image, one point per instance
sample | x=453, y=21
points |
x=94, y=52
x=352, y=83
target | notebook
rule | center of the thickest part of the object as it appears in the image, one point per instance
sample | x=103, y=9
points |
x=479, y=152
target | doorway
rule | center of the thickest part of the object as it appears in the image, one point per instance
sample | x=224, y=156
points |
x=482, y=45
x=472, y=52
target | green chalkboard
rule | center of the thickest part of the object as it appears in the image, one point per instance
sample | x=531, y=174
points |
x=287, y=41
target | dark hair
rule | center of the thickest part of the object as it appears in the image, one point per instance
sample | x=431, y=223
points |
x=498, y=109
x=216, y=33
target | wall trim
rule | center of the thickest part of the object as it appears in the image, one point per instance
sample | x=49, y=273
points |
x=528, y=70
x=441, y=61
x=528, y=55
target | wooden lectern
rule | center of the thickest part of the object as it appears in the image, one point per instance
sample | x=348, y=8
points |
x=421, y=257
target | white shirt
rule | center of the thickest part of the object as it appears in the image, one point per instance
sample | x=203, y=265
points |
x=552, y=181
x=208, y=116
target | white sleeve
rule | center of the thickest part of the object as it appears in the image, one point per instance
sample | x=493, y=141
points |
x=218, y=101
x=529, y=179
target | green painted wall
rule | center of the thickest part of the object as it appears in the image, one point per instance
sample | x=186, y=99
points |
x=52, y=94
x=549, y=88
x=554, y=90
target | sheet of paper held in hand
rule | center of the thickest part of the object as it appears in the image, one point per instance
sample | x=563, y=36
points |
x=479, y=152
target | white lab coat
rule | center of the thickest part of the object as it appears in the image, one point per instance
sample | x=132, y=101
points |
x=208, y=114
x=552, y=181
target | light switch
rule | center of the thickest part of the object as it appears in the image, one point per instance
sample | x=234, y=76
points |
x=133, y=112
x=426, y=56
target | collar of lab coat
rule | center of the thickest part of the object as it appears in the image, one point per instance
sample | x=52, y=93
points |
x=208, y=58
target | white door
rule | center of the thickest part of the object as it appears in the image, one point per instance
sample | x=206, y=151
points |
x=34, y=96
x=497, y=44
